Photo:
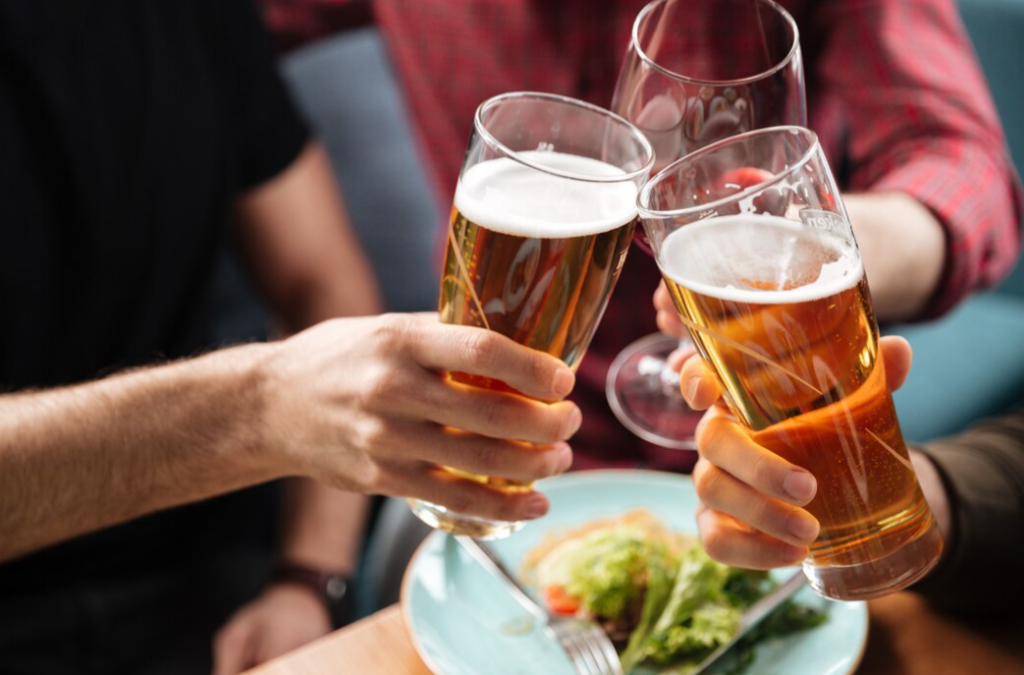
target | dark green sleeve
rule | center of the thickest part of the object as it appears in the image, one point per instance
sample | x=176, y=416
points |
x=983, y=471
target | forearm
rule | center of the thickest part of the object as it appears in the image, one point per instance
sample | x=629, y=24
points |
x=904, y=250
x=919, y=120
x=323, y=527
x=78, y=459
x=301, y=248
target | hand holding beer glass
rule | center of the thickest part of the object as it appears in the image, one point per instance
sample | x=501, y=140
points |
x=543, y=217
x=768, y=280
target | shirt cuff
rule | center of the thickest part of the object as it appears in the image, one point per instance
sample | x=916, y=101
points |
x=977, y=199
x=981, y=568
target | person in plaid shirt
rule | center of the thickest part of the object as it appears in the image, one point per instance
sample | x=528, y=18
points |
x=894, y=92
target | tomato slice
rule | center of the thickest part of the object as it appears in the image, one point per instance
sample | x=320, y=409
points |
x=559, y=601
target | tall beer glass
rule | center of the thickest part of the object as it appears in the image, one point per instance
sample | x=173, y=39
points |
x=754, y=243
x=695, y=72
x=543, y=216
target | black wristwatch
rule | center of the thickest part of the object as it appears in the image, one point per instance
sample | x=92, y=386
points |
x=335, y=590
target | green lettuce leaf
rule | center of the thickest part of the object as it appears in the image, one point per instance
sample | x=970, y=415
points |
x=608, y=570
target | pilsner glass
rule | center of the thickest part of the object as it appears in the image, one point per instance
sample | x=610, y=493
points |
x=756, y=248
x=695, y=72
x=543, y=217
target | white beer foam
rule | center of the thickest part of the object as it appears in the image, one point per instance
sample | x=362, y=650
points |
x=712, y=256
x=506, y=196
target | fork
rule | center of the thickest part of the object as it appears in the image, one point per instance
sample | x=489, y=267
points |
x=588, y=646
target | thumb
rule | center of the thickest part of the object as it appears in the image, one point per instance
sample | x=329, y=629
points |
x=896, y=357
x=699, y=384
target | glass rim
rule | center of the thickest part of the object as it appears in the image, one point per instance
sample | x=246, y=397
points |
x=643, y=197
x=793, y=49
x=643, y=171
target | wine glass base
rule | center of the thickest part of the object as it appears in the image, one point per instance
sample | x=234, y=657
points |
x=440, y=518
x=644, y=395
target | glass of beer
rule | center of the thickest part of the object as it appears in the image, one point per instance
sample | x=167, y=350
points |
x=696, y=72
x=543, y=217
x=755, y=245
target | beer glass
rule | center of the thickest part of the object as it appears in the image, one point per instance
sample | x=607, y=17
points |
x=695, y=72
x=543, y=217
x=755, y=245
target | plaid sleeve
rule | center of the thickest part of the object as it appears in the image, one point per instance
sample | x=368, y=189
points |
x=296, y=22
x=922, y=122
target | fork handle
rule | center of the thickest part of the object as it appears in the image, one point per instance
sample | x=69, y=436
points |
x=486, y=556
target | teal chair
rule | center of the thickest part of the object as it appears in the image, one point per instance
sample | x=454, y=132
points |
x=970, y=364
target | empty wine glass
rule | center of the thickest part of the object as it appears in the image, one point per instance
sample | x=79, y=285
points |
x=696, y=72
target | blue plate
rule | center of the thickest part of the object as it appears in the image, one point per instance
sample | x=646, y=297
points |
x=464, y=622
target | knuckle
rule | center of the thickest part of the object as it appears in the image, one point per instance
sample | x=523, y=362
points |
x=549, y=465
x=480, y=347
x=782, y=552
x=376, y=436
x=551, y=424
x=710, y=438
x=389, y=330
x=461, y=501
x=499, y=413
x=662, y=321
x=762, y=515
x=763, y=473
x=489, y=459
x=369, y=475
x=539, y=370
x=699, y=469
x=715, y=541
x=529, y=464
x=386, y=385
x=709, y=484
x=388, y=479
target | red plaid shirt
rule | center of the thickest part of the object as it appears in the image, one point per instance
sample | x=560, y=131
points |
x=894, y=89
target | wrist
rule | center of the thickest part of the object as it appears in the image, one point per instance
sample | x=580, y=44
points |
x=333, y=590
x=903, y=246
x=251, y=368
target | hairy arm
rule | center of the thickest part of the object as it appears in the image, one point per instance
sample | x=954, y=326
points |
x=358, y=404
x=81, y=458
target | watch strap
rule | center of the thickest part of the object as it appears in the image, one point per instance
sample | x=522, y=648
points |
x=329, y=586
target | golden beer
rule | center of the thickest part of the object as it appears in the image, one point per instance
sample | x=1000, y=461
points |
x=783, y=313
x=534, y=256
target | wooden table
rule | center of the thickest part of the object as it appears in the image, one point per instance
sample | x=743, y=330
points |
x=906, y=638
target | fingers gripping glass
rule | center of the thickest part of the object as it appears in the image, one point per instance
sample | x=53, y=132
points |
x=767, y=277
x=543, y=217
x=695, y=72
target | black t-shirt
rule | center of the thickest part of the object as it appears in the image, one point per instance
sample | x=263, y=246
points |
x=127, y=129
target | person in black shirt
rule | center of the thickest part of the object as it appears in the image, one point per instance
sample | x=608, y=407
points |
x=137, y=139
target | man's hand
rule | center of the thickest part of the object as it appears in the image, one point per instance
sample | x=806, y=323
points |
x=750, y=513
x=362, y=404
x=283, y=618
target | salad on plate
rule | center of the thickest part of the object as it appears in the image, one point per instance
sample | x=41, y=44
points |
x=665, y=603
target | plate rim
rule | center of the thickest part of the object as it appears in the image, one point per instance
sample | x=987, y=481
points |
x=576, y=476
